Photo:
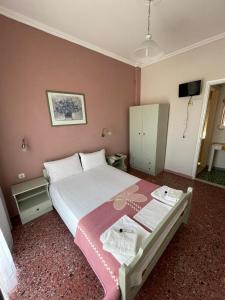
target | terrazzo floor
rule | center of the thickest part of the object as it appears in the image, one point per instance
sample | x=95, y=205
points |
x=215, y=176
x=51, y=266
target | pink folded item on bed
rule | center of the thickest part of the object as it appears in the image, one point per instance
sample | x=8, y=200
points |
x=90, y=228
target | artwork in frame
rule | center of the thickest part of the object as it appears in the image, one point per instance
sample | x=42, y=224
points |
x=66, y=108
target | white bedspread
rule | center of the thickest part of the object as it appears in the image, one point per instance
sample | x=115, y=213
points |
x=76, y=196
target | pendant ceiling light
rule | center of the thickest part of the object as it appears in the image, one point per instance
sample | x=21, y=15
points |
x=149, y=49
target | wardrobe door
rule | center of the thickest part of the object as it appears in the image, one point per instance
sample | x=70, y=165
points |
x=135, y=136
x=149, y=143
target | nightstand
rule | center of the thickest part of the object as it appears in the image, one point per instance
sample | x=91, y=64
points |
x=117, y=161
x=32, y=198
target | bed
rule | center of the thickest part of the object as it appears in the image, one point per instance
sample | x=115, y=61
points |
x=77, y=196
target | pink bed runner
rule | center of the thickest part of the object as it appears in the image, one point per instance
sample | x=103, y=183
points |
x=90, y=227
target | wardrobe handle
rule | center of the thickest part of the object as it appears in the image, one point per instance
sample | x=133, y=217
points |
x=144, y=133
x=139, y=133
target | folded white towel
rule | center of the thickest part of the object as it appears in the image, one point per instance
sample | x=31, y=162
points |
x=167, y=195
x=152, y=214
x=129, y=226
x=124, y=243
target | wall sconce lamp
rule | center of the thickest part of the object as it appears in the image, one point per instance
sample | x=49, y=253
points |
x=24, y=145
x=106, y=132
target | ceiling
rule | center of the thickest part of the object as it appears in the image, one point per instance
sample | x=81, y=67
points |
x=117, y=27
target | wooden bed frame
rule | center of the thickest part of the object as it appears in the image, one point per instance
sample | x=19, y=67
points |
x=146, y=258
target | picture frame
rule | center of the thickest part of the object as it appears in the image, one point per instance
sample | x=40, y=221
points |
x=66, y=108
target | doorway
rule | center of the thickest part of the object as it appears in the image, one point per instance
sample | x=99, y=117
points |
x=210, y=157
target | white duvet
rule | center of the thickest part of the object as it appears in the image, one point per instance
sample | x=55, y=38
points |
x=77, y=195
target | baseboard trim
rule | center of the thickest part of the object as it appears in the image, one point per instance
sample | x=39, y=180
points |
x=210, y=183
x=218, y=168
x=178, y=174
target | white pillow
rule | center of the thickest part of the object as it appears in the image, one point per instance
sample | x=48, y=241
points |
x=92, y=160
x=63, y=168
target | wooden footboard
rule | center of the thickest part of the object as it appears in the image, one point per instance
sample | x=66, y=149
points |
x=132, y=277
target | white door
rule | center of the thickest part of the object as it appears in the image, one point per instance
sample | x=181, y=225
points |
x=150, y=123
x=136, y=137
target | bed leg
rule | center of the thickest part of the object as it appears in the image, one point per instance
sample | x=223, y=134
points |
x=123, y=283
x=186, y=215
x=188, y=208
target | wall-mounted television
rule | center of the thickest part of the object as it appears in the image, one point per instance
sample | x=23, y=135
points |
x=188, y=89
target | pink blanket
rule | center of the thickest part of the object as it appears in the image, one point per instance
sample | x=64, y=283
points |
x=90, y=227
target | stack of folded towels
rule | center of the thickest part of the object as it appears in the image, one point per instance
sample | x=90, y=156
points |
x=123, y=239
x=121, y=242
x=156, y=210
x=167, y=195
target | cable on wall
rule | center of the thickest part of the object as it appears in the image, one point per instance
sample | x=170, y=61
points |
x=187, y=118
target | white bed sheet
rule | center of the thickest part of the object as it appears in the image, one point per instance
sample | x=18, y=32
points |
x=77, y=195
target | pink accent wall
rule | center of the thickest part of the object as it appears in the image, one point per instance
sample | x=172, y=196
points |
x=31, y=62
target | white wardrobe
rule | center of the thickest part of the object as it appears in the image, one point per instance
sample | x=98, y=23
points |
x=148, y=136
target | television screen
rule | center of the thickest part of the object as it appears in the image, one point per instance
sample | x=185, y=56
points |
x=190, y=88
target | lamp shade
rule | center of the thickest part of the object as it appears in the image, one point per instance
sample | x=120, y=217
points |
x=148, y=51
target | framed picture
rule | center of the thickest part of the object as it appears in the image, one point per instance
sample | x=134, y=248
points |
x=66, y=108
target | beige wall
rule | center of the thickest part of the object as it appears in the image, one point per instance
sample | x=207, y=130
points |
x=219, y=134
x=159, y=84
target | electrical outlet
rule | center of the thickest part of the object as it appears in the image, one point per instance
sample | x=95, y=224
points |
x=21, y=175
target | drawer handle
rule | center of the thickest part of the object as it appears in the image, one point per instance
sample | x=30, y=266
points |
x=37, y=209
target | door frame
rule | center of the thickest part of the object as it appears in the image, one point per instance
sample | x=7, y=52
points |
x=209, y=84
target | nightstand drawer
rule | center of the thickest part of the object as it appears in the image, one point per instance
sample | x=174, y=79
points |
x=35, y=207
x=29, y=217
